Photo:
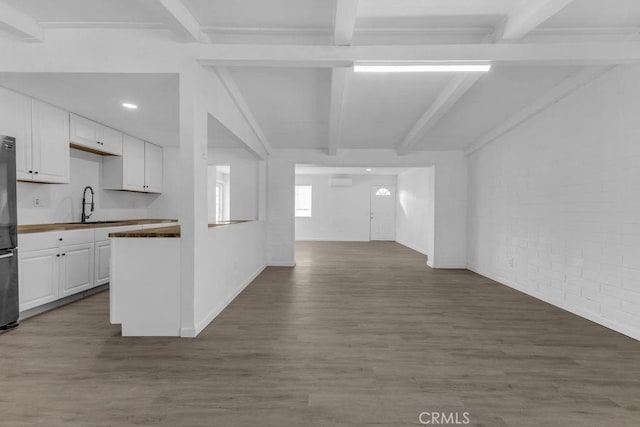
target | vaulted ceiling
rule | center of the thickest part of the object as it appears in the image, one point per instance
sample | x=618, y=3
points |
x=326, y=105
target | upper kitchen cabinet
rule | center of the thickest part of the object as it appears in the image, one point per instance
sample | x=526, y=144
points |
x=15, y=121
x=91, y=136
x=49, y=143
x=152, y=168
x=42, y=137
x=139, y=168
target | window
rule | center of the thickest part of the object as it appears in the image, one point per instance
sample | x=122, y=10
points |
x=383, y=192
x=219, y=201
x=303, y=201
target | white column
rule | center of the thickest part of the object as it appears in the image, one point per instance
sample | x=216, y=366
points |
x=193, y=196
x=280, y=212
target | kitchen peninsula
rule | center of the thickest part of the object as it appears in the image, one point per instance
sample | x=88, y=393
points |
x=145, y=291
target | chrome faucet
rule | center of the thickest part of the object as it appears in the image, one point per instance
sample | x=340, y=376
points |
x=86, y=216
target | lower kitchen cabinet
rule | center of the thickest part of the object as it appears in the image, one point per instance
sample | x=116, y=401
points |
x=76, y=269
x=39, y=275
x=102, y=263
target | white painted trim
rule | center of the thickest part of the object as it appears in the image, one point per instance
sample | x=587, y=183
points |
x=596, y=53
x=562, y=90
x=346, y=12
x=202, y=324
x=339, y=79
x=596, y=318
x=234, y=92
x=20, y=25
x=182, y=22
x=445, y=266
x=56, y=25
x=281, y=264
x=457, y=87
x=527, y=16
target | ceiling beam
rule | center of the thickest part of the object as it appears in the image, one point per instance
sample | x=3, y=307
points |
x=339, y=78
x=563, y=89
x=232, y=88
x=181, y=22
x=345, y=21
x=20, y=25
x=452, y=92
x=528, y=15
x=546, y=54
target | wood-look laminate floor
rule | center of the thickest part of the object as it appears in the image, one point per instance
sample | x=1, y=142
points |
x=356, y=334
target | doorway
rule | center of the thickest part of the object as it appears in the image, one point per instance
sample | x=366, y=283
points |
x=383, y=213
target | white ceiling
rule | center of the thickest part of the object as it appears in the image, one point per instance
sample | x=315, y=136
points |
x=344, y=170
x=292, y=105
x=99, y=97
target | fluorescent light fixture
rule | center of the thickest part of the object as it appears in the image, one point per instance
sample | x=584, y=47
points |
x=368, y=169
x=422, y=68
x=130, y=106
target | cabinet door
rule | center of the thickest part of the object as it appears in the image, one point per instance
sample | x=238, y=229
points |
x=83, y=132
x=109, y=140
x=133, y=164
x=153, y=168
x=102, y=264
x=77, y=268
x=39, y=277
x=15, y=121
x=50, y=143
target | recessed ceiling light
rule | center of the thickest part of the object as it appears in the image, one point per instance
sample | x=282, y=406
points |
x=368, y=169
x=130, y=106
x=422, y=68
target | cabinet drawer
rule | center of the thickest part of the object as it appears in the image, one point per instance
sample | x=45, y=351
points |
x=53, y=239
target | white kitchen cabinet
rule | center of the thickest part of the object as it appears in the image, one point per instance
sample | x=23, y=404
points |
x=102, y=262
x=15, y=121
x=90, y=136
x=152, y=168
x=42, y=133
x=139, y=168
x=39, y=275
x=76, y=268
x=50, y=143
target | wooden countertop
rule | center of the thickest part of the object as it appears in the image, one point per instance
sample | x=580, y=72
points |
x=172, y=231
x=63, y=226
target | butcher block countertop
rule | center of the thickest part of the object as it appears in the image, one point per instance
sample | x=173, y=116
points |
x=172, y=231
x=63, y=226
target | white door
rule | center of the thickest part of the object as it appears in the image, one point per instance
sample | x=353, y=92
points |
x=39, y=277
x=153, y=168
x=15, y=121
x=383, y=213
x=133, y=164
x=77, y=268
x=50, y=143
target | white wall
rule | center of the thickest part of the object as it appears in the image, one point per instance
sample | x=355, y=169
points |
x=554, y=205
x=235, y=256
x=63, y=202
x=339, y=213
x=415, y=210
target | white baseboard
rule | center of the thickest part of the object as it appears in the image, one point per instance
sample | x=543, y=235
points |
x=199, y=327
x=281, y=264
x=596, y=318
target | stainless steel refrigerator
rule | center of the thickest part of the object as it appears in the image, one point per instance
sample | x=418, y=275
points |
x=9, y=306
